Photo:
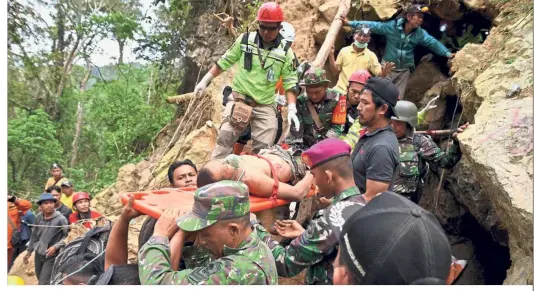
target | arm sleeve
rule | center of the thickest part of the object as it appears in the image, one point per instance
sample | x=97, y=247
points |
x=231, y=56
x=375, y=67
x=289, y=72
x=155, y=269
x=335, y=131
x=381, y=28
x=304, y=251
x=434, y=154
x=434, y=45
x=352, y=137
x=381, y=164
x=339, y=60
x=421, y=115
x=65, y=230
x=23, y=205
x=33, y=238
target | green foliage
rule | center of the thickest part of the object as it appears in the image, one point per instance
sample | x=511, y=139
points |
x=32, y=147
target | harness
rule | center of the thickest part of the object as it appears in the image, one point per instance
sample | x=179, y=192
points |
x=244, y=41
x=274, y=173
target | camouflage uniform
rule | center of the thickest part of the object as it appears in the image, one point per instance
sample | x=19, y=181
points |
x=308, y=133
x=316, y=248
x=250, y=263
x=415, y=151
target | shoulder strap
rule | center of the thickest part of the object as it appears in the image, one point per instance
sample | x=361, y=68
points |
x=244, y=39
x=287, y=46
x=314, y=115
x=85, y=242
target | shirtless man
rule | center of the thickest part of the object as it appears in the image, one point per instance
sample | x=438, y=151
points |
x=256, y=172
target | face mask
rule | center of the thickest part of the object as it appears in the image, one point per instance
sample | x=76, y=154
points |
x=360, y=45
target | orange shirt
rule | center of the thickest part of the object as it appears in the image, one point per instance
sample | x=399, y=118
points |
x=13, y=214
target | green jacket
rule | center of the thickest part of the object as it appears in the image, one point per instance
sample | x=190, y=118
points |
x=315, y=249
x=399, y=46
x=251, y=263
x=308, y=133
x=255, y=83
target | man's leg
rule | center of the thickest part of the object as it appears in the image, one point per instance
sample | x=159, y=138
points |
x=264, y=125
x=400, y=77
x=38, y=260
x=46, y=271
x=228, y=135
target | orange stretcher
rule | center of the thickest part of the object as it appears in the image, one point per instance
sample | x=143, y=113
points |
x=153, y=202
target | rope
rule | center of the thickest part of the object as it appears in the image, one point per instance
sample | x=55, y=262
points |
x=446, y=153
x=75, y=272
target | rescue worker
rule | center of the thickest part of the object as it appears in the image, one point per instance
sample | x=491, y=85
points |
x=67, y=190
x=26, y=219
x=390, y=241
x=227, y=250
x=416, y=150
x=375, y=157
x=402, y=36
x=47, y=238
x=315, y=247
x=14, y=206
x=356, y=57
x=288, y=33
x=183, y=174
x=357, y=81
x=62, y=208
x=82, y=204
x=316, y=112
x=263, y=57
x=56, y=171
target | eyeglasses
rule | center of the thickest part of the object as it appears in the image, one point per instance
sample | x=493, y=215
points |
x=269, y=28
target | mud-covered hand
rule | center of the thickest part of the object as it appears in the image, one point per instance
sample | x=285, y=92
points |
x=344, y=19
x=200, y=89
x=431, y=104
x=292, y=116
x=51, y=251
x=128, y=212
x=288, y=228
x=460, y=130
x=166, y=225
x=387, y=67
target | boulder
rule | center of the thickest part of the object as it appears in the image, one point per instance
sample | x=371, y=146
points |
x=328, y=10
x=426, y=74
x=447, y=9
x=380, y=9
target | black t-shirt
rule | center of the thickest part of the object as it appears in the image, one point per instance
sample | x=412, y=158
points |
x=376, y=157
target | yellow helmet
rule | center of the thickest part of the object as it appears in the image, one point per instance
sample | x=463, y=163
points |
x=14, y=280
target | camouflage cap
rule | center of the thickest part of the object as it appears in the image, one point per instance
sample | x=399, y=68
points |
x=218, y=201
x=314, y=76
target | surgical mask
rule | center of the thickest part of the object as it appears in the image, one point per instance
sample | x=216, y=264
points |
x=360, y=45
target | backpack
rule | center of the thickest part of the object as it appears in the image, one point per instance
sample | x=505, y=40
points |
x=92, y=245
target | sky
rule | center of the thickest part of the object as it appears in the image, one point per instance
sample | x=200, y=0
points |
x=108, y=49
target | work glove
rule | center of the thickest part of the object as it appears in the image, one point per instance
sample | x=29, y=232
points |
x=201, y=86
x=292, y=116
x=431, y=105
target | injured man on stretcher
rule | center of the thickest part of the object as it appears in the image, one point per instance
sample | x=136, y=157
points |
x=274, y=172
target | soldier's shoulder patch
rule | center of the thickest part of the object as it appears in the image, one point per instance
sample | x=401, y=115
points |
x=201, y=274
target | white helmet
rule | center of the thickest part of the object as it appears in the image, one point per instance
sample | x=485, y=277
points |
x=288, y=32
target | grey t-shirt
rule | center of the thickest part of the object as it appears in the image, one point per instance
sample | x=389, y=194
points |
x=376, y=157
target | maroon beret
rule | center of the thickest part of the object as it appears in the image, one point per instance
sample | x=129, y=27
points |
x=325, y=151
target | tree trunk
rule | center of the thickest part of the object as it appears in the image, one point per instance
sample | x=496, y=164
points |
x=121, y=50
x=150, y=85
x=79, y=119
x=337, y=24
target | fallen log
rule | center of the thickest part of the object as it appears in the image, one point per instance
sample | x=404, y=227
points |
x=333, y=31
x=436, y=132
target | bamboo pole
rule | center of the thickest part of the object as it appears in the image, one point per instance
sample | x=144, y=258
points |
x=178, y=99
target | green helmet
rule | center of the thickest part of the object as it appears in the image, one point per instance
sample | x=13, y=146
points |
x=407, y=112
x=314, y=76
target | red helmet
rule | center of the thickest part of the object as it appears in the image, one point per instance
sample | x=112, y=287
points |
x=79, y=196
x=270, y=12
x=360, y=76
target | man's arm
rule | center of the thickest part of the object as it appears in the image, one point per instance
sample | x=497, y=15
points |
x=432, y=153
x=381, y=28
x=22, y=204
x=65, y=231
x=335, y=64
x=434, y=45
x=304, y=251
x=290, y=78
x=353, y=136
x=381, y=165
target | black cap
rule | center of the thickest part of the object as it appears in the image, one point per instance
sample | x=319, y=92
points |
x=66, y=184
x=417, y=8
x=393, y=241
x=56, y=165
x=385, y=89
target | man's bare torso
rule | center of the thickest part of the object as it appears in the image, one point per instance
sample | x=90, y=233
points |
x=255, y=164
